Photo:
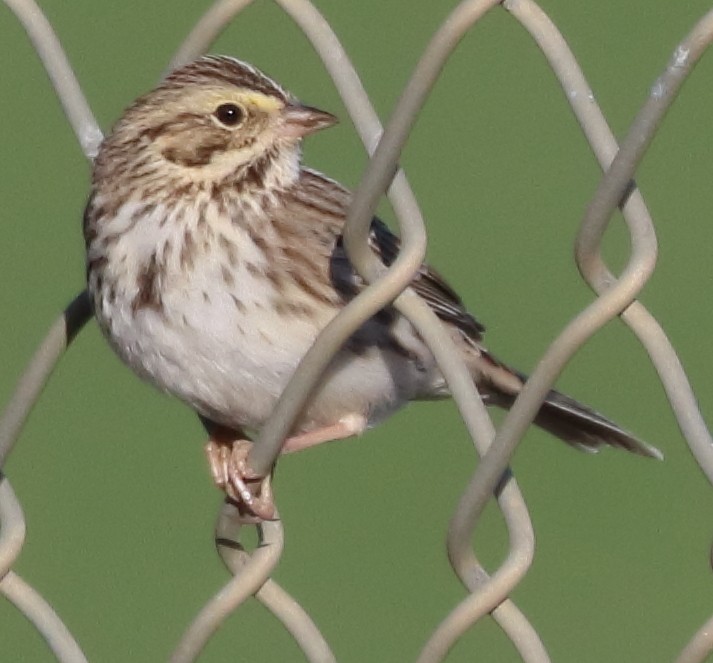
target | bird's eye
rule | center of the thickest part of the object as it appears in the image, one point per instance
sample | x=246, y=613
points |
x=229, y=114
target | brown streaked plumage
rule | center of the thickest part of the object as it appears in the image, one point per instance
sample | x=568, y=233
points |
x=214, y=259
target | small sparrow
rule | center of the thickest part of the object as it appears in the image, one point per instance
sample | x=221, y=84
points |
x=214, y=258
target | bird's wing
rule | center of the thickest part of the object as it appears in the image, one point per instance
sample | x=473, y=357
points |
x=319, y=205
x=427, y=282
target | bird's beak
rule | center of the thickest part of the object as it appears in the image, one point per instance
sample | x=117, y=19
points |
x=300, y=121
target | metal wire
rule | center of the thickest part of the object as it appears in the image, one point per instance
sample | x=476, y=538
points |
x=244, y=584
x=60, y=72
x=23, y=596
x=38, y=371
x=31, y=383
x=42, y=616
x=488, y=594
x=271, y=595
x=603, y=144
x=398, y=276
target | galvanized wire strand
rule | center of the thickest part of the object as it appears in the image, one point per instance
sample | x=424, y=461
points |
x=699, y=646
x=639, y=268
x=604, y=146
x=43, y=618
x=643, y=324
x=342, y=72
x=382, y=165
x=293, y=617
x=37, y=372
x=663, y=93
x=297, y=622
x=613, y=187
x=89, y=136
x=460, y=382
x=403, y=117
x=370, y=300
x=39, y=369
x=206, y=30
x=18, y=592
x=576, y=333
x=12, y=526
x=614, y=300
x=243, y=585
x=490, y=592
x=347, y=82
x=678, y=390
x=60, y=72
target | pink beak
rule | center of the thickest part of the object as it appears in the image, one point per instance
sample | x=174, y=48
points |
x=300, y=121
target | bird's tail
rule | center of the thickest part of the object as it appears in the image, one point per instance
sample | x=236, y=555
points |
x=563, y=417
x=586, y=429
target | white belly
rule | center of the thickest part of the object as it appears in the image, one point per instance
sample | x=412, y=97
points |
x=232, y=364
x=218, y=342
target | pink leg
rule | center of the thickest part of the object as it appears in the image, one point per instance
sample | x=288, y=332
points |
x=227, y=459
x=353, y=424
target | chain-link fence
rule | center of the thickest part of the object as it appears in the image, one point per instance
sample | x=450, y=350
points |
x=489, y=592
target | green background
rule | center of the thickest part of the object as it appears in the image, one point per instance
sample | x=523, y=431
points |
x=112, y=477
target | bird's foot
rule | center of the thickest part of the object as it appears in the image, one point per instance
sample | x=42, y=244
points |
x=231, y=473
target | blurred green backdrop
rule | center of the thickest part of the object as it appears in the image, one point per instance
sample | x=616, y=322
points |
x=112, y=477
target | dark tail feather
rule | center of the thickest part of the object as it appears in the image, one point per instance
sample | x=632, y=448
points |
x=586, y=429
x=567, y=419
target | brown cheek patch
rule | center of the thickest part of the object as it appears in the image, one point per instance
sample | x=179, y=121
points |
x=192, y=156
x=189, y=140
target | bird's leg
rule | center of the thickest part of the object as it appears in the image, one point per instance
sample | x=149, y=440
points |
x=227, y=452
x=352, y=424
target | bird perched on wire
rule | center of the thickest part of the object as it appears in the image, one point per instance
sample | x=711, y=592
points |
x=214, y=258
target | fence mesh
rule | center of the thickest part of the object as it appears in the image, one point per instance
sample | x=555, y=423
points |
x=489, y=592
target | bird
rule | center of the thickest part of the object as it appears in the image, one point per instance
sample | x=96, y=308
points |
x=214, y=258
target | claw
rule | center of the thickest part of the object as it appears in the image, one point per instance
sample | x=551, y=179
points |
x=231, y=473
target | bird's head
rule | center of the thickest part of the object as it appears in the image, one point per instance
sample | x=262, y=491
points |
x=212, y=119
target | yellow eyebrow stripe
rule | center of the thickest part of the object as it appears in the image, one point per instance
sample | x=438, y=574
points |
x=261, y=101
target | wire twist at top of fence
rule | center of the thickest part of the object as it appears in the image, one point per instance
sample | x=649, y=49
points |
x=616, y=296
